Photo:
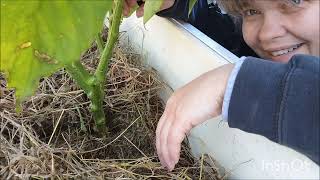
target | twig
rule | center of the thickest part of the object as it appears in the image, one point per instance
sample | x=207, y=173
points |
x=135, y=146
x=201, y=167
x=55, y=127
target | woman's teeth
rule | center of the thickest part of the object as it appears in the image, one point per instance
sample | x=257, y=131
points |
x=285, y=51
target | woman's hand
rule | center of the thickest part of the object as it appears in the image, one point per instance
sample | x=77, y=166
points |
x=129, y=4
x=196, y=102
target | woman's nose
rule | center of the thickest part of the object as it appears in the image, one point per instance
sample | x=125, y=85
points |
x=272, y=27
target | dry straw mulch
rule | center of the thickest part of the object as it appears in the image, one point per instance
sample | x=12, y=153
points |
x=52, y=138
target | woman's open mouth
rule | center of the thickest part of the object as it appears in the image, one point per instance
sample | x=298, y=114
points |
x=286, y=51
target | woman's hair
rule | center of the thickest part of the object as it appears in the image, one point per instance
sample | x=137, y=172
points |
x=235, y=7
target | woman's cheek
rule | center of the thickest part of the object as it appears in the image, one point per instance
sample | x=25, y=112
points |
x=249, y=36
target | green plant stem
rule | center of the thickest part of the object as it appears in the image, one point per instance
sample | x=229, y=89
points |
x=93, y=85
x=112, y=38
x=94, y=92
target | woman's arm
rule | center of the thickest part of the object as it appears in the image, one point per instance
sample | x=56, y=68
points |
x=279, y=101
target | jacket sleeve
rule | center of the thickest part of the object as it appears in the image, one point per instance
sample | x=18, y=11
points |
x=279, y=101
x=179, y=10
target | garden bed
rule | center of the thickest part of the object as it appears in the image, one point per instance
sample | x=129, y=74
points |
x=52, y=137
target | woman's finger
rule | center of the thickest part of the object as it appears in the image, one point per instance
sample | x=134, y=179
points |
x=174, y=142
x=131, y=3
x=163, y=141
x=162, y=121
x=158, y=131
x=125, y=8
x=140, y=11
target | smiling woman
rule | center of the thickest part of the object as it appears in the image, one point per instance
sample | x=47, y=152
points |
x=278, y=30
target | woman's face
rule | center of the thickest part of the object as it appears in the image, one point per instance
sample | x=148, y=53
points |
x=277, y=30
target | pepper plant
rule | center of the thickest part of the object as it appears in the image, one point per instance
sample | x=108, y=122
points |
x=40, y=37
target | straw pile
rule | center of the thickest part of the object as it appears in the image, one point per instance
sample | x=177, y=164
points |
x=52, y=138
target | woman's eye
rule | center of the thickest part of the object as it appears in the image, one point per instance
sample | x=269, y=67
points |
x=250, y=12
x=291, y=5
x=297, y=2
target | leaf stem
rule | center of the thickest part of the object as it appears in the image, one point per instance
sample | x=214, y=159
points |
x=100, y=43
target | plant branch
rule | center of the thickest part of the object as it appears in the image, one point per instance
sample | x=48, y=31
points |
x=80, y=75
x=112, y=38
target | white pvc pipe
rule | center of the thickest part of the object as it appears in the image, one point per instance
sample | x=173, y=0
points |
x=180, y=53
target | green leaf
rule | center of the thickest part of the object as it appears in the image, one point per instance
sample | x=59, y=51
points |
x=191, y=4
x=39, y=37
x=151, y=7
